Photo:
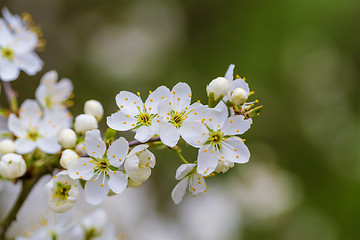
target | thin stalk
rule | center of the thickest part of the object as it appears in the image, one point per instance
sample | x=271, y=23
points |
x=11, y=97
x=136, y=142
x=177, y=150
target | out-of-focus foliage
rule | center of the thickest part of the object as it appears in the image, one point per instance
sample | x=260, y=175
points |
x=300, y=57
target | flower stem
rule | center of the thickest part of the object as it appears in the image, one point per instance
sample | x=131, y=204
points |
x=11, y=97
x=177, y=150
x=136, y=142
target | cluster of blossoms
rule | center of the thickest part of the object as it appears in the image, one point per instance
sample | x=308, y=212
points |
x=42, y=137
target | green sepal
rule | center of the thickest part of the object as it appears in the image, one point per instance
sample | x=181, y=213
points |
x=212, y=101
x=110, y=135
x=254, y=112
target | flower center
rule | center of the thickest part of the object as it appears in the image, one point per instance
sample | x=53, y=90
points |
x=62, y=191
x=103, y=165
x=33, y=134
x=7, y=53
x=144, y=118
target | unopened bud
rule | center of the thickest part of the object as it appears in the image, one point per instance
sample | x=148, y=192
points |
x=239, y=96
x=85, y=122
x=219, y=87
x=80, y=149
x=12, y=166
x=67, y=138
x=7, y=146
x=94, y=108
x=67, y=156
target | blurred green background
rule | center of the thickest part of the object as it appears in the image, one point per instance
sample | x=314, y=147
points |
x=300, y=57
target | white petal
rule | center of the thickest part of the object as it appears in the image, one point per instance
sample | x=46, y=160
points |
x=120, y=121
x=235, y=150
x=23, y=145
x=135, y=173
x=236, y=125
x=138, y=149
x=8, y=70
x=49, y=145
x=229, y=75
x=95, y=193
x=49, y=78
x=155, y=98
x=169, y=134
x=24, y=42
x=198, y=112
x=6, y=37
x=63, y=90
x=197, y=184
x=194, y=133
x=179, y=191
x=144, y=133
x=94, y=145
x=117, y=152
x=15, y=126
x=129, y=103
x=181, y=96
x=216, y=117
x=30, y=112
x=183, y=170
x=207, y=159
x=81, y=168
x=118, y=181
x=29, y=63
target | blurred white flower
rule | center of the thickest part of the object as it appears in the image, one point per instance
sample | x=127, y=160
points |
x=7, y=146
x=52, y=94
x=34, y=130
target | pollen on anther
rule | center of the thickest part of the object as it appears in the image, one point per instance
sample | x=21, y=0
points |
x=235, y=149
x=178, y=99
x=77, y=173
x=126, y=99
x=98, y=146
x=93, y=180
x=158, y=120
x=210, y=119
x=84, y=163
x=150, y=92
x=195, y=113
x=124, y=122
x=55, y=176
x=138, y=93
x=127, y=116
x=113, y=156
x=169, y=103
x=198, y=141
x=190, y=95
x=133, y=125
x=93, y=152
x=120, y=159
x=203, y=134
x=83, y=148
x=114, y=172
x=134, y=102
x=205, y=150
x=151, y=100
x=237, y=131
x=121, y=106
x=198, y=101
x=162, y=97
x=102, y=184
x=174, y=92
x=231, y=121
x=222, y=157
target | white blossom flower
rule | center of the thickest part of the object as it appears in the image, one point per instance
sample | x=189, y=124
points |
x=32, y=130
x=17, y=53
x=67, y=138
x=94, y=108
x=94, y=226
x=12, y=166
x=234, y=84
x=189, y=177
x=134, y=114
x=138, y=165
x=52, y=94
x=62, y=192
x=66, y=156
x=100, y=170
x=174, y=111
x=7, y=146
x=214, y=136
x=84, y=123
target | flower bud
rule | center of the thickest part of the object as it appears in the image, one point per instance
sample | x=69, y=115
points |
x=7, y=146
x=12, y=166
x=85, y=122
x=80, y=149
x=219, y=87
x=67, y=138
x=67, y=156
x=94, y=108
x=239, y=96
